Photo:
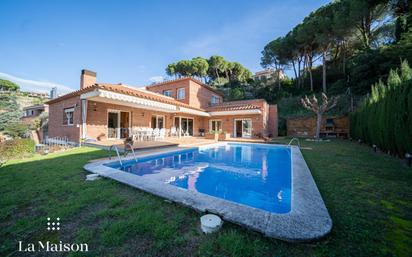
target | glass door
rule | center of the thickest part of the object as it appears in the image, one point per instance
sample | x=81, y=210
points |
x=243, y=128
x=158, y=121
x=238, y=128
x=246, y=128
x=124, y=124
x=113, y=125
x=185, y=124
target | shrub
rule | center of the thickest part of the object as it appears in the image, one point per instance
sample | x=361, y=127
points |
x=385, y=118
x=16, y=148
x=16, y=129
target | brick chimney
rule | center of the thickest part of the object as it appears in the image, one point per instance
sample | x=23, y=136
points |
x=87, y=78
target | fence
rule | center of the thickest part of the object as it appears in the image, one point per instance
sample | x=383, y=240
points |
x=58, y=141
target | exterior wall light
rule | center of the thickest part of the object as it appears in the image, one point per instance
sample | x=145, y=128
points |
x=408, y=158
x=375, y=148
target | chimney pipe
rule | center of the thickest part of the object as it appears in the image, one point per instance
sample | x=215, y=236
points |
x=87, y=78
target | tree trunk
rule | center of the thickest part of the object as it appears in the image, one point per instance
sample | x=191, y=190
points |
x=324, y=72
x=294, y=70
x=310, y=71
x=318, y=123
x=217, y=74
x=299, y=75
x=311, y=78
x=278, y=75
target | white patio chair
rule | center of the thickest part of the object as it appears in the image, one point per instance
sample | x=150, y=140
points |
x=185, y=133
x=173, y=131
x=149, y=134
x=156, y=134
x=162, y=133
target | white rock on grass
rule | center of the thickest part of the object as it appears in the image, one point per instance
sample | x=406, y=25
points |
x=92, y=177
x=210, y=223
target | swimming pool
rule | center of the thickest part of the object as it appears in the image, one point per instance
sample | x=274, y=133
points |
x=255, y=175
x=263, y=187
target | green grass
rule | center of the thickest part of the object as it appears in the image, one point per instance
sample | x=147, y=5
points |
x=368, y=195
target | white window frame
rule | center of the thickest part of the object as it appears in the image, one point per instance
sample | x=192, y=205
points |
x=211, y=122
x=215, y=99
x=118, y=132
x=157, y=120
x=251, y=127
x=168, y=93
x=178, y=96
x=68, y=110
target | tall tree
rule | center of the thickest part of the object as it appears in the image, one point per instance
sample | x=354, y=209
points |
x=7, y=85
x=216, y=66
x=200, y=67
x=366, y=17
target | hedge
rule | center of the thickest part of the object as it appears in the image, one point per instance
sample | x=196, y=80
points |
x=385, y=118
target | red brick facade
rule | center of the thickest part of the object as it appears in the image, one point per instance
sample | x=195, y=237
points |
x=263, y=117
x=56, y=126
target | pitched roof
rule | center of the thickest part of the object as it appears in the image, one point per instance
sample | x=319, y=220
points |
x=126, y=90
x=235, y=106
x=187, y=78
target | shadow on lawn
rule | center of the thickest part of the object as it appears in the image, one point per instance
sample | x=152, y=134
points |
x=367, y=195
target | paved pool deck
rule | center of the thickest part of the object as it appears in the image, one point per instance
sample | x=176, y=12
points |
x=308, y=219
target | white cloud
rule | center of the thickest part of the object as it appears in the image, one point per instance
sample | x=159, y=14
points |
x=156, y=79
x=35, y=85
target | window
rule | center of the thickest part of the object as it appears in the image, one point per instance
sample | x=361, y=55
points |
x=68, y=116
x=180, y=94
x=167, y=93
x=29, y=113
x=215, y=125
x=158, y=121
x=215, y=99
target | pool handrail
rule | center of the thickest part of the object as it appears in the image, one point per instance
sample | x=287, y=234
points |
x=131, y=147
x=117, y=152
x=294, y=139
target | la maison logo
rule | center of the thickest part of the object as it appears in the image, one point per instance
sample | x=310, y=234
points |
x=52, y=225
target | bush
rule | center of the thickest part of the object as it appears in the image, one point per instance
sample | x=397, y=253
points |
x=16, y=148
x=385, y=118
x=16, y=129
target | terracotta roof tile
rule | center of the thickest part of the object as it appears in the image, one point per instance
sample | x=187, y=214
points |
x=232, y=107
x=126, y=90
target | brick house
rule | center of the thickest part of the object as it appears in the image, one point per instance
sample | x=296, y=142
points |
x=32, y=112
x=104, y=111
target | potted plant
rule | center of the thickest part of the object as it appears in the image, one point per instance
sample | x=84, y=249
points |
x=213, y=134
x=224, y=136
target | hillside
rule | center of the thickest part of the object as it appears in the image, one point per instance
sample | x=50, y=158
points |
x=12, y=104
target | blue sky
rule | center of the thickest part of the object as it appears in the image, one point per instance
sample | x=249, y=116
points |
x=47, y=43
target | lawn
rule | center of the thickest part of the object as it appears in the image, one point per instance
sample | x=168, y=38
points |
x=369, y=197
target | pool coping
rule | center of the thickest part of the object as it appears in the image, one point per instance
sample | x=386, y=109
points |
x=308, y=219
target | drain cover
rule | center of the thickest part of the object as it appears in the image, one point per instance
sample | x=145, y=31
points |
x=210, y=223
x=92, y=177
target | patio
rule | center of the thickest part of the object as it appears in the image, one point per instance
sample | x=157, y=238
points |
x=146, y=145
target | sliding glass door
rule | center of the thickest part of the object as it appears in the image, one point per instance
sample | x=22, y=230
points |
x=185, y=124
x=243, y=128
x=158, y=121
x=113, y=125
x=118, y=124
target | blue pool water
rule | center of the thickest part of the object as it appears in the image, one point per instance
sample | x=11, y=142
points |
x=251, y=174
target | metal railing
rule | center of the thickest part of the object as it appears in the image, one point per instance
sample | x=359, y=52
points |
x=57, y=141
x=294, y=139
x=117, y=152
x=131, y=147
